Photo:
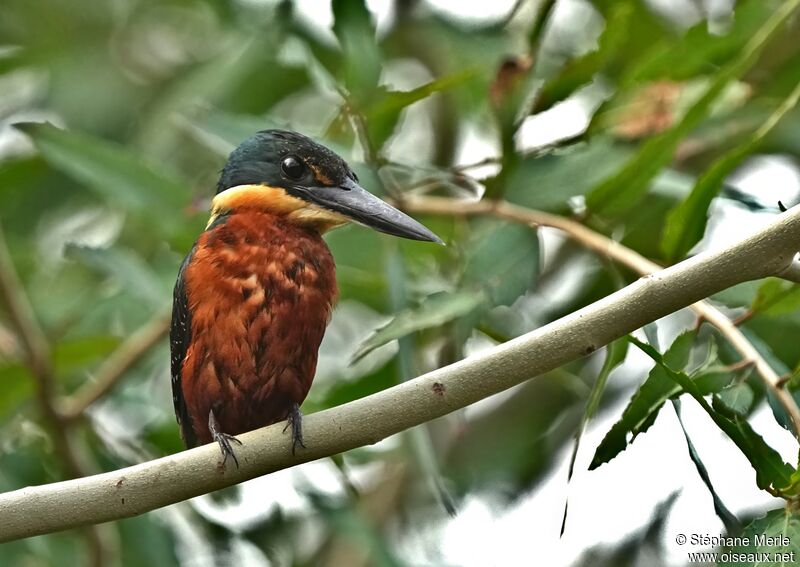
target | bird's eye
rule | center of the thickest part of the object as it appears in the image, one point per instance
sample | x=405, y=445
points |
x=292, y=167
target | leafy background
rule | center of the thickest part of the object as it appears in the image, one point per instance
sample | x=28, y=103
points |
x=641, y=119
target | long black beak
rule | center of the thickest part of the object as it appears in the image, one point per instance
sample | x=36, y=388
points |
x=358, y=204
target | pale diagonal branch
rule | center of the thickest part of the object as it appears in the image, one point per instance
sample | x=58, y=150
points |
x=141, y=488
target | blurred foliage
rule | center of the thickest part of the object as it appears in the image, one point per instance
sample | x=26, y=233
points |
x=144, y=100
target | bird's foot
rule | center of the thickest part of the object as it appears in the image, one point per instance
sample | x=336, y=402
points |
x=224, y=440
x=294, y=419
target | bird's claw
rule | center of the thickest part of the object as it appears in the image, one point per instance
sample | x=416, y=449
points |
x=294, y=419
x=224, y=440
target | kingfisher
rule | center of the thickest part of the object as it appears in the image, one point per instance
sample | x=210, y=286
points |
x=255, y=293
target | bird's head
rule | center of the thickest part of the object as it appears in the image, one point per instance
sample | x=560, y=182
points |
x=290, y=175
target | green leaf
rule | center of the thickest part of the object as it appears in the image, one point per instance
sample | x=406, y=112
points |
x=126, y=268
x=343, y=391
x=547, y=182
x=728, y=518
x=383, y=116
x=112, y=171
x=699, y=48
x=775, y=361
x=615, y=355
x=503, y=260
x=394, y=101
x=72, y=355
x=714, y=380
x=17, y=388
x=434, y=311
x=222, y=131
x=645, y=404
x=771, y=470
x=776, y=297
x=777, y=534
x=741, y=295
x=357, y=251
x=352, y=24
x=623, y=190
x=738, y=398
x=686, y=224
x=245, y=88
x=12, y=59
x=580, y=72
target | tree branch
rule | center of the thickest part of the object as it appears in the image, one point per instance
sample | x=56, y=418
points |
x=141, y=488
x=34, y=342
x=612, y=249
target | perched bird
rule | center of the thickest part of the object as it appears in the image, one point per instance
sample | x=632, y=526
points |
x=255, y=293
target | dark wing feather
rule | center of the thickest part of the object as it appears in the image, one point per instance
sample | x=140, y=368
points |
x=180, y=336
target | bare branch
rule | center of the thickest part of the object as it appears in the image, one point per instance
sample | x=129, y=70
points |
x=141, y=488
x=34, y=342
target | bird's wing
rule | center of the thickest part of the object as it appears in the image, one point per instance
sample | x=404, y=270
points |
x=180, y=335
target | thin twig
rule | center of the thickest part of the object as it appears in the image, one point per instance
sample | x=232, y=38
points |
x=744, y=318
x=34, y=342
x=531, y=153
x=115, y=366
x=361, y=130
x=543, y=15
x=739, y=366
x=612, y=249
